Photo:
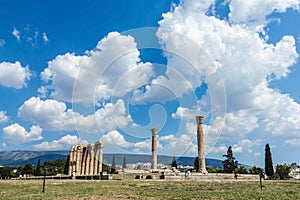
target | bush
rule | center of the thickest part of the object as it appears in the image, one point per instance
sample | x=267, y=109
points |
x=282, y=171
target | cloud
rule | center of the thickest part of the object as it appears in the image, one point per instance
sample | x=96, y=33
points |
x=292, y=143
x=184, y=144
x=116, y=139
x=218, y=149
x=186, y=113
x=16, y=34
x=14, y=75
x=256, y=12
x=65, y=141
x=166, y=138
x=15, y=134
x=103, y=72
x=246, y=62
x=170, y=86
x=3, y=117
x=185, y=71
x=54, y=115
x=45, y=38
x=2, y=43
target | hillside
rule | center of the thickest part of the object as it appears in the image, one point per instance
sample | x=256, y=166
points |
x=15, y=158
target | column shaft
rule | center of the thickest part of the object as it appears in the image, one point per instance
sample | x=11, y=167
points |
x=200, y=139
x=100, y=157
x=154, y=148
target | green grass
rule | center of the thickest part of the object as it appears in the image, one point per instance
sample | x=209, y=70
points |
x=149, y=189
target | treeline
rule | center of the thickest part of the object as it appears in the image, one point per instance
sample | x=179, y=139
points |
x=48, y=168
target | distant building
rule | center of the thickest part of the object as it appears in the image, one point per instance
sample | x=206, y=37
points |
x=295, y=171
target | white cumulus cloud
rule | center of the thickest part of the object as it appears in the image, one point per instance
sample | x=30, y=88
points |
x=113, y=68
x=54, y=115
x=65, y=141
x=3, y=117
x=256, y=11
x=14, y=75
x=246, y=62
x=15, y=134
x=115, y=138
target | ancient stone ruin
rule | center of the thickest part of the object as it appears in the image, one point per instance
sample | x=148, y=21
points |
x=86, y=159
x=154, y=150
x=200, y=140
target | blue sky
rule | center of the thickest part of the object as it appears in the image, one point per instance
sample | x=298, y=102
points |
x=81, y=71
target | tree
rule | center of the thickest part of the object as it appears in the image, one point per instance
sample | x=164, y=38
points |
x=124, y=162
x=6, y=172
x=229, y=164
x=196, y=164
x=174, y=163
x=113, y=165
x=255, y=170
x=268, y=162
x=241, y=170
x=38, y=171
x=28, y=169
x=211, y=169
x=54, y=167
x=282, y=171
x=66, y=168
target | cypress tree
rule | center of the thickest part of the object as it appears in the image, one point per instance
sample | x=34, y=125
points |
x=229, y=164
x=174, y=163
x=38, y=171
x=196, y=164
x=113, y=165
x=124, y=162
x=268, y=162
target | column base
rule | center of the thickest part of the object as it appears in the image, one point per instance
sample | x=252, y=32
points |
x=203, y=171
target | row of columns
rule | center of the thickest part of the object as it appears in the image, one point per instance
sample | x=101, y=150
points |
x=86, y=159
x=200, y=141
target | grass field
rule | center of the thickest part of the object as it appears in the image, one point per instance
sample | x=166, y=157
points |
x=149, y=189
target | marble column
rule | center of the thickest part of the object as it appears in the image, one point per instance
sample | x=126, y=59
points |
x=96, y=159
x=78, y=160
x=100, y=157
x=88, y=160
x=71, y=161
x=97, y=154
x=92, y=162
x=200, y=139
x=84, y=157
x=74, y=159
x=154, y=148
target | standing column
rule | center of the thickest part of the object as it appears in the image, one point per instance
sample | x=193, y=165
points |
x=71, y=161
x=200, y=139
x=84, y=152
x=100, y=156
x=96, y=170
x=92, y=163
x=77, y=166
x=154, y=150
x=79, y=159
x=88, y=160
x=74, y=159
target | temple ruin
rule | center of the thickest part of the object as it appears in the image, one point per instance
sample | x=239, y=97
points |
x=86, y=159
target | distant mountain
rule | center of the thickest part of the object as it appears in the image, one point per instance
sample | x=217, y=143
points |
x=166, y=160
x=15, y=158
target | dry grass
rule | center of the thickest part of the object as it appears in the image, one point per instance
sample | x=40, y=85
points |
x=149, y=189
